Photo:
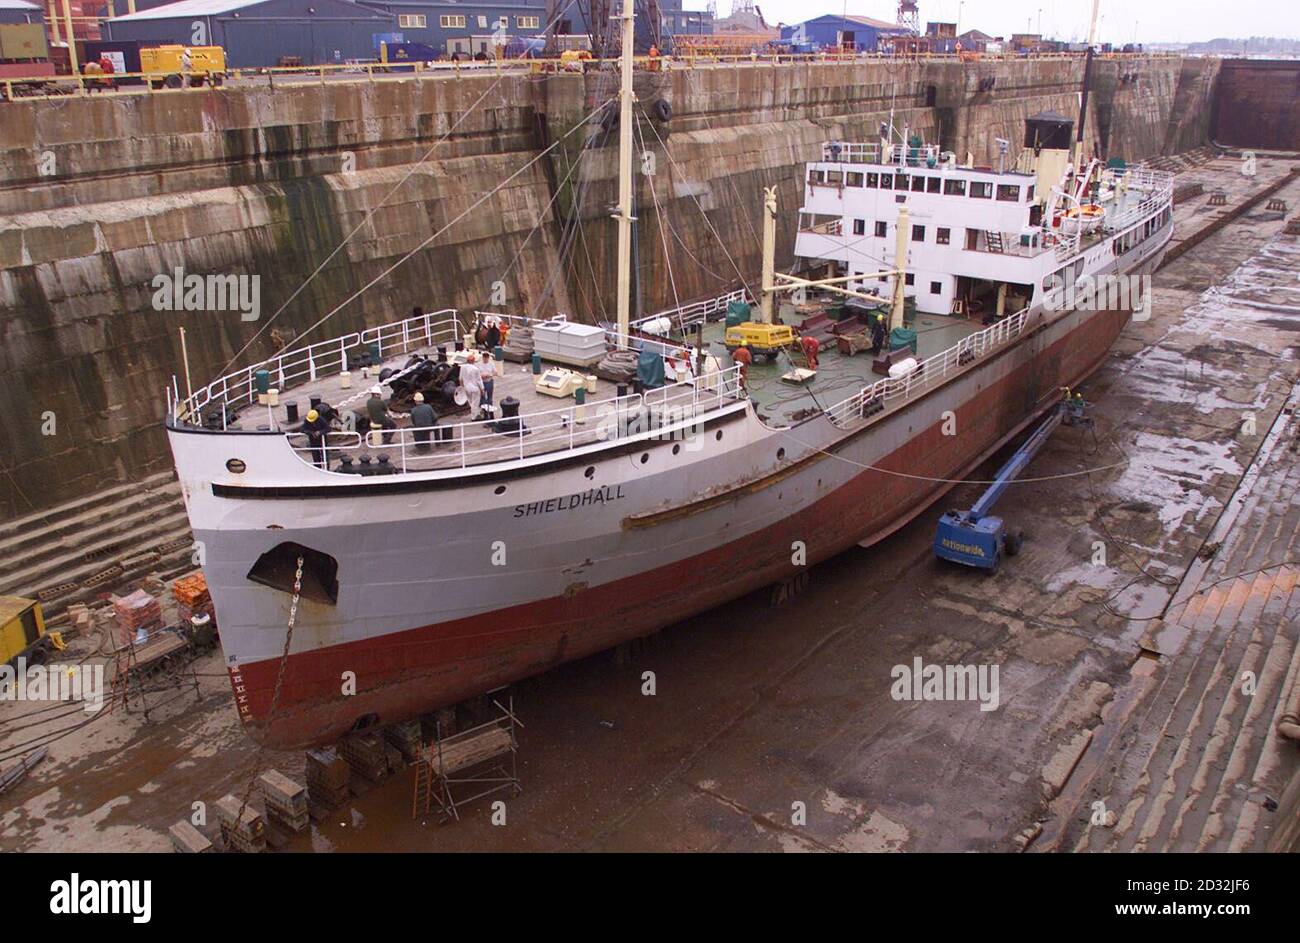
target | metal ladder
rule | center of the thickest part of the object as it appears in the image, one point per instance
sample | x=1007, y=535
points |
x=994, y=240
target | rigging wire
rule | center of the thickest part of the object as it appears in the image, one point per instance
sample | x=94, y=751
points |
x=371, y=212
x=696, y=200
x=659, y=217
x=475, y=205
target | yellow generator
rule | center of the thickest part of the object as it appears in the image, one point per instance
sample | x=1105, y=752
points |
x=764, y=339
x=22, y=630
x=166, y=69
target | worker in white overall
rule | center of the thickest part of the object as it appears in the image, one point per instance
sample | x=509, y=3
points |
x=471, y=381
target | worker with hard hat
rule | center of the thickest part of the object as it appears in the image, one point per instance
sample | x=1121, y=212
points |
x=317, y=428
x=377, y=413
x=423, y=418
x=471, y=383
x=742, y=356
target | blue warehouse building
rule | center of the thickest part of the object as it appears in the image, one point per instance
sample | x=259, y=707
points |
x=20, y=11
x=856, y=33
x=258, y=32
x=467, y=28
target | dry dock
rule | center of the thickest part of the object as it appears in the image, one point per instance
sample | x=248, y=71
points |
x=776, y=729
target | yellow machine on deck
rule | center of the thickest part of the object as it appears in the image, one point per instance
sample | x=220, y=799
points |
x=163, y=65
x=760, y=338
x=22, y=630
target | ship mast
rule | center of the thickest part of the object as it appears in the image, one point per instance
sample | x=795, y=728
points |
x=1083, y=103
x=625, y=177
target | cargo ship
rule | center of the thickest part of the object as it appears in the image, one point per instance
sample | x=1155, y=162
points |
x=367, y=576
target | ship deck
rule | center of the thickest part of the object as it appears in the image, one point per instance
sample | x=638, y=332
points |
x=839, y=376
x=551, y=423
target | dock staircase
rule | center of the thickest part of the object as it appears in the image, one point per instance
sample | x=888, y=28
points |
x=73, y=552
x=1200, y=765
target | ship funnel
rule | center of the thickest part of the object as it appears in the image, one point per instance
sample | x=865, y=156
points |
x=1048, y=136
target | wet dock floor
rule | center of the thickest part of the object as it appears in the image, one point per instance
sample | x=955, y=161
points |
x=778, y=728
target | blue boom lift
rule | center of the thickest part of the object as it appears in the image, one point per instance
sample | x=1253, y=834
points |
x=977, y=538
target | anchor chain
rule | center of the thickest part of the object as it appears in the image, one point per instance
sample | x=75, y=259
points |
x=279, y=682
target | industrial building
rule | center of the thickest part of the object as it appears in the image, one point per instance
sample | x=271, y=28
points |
x=468, y=28
x=258, y=33
x=450, y=27
x=20, y=11
x=832, y=31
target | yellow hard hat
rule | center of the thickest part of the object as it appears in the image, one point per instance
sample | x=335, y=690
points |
x=312, y=415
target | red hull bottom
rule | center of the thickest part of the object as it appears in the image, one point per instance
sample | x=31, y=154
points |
x=404, y=674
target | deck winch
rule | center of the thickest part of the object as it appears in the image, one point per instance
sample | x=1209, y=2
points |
x=977, y=538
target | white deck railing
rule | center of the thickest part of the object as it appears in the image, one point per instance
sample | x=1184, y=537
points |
x=539, y=433
x=689, y=315
x=308, y=364
x=855, y=152
x=929, y=373
x=1158, y=187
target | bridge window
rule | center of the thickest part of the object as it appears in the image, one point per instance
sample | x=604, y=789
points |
x=881, y=228
x=900, y=181
x=1008, y=193
x=942, y=235
x=933, y=184
x=918, y=234
x=835, y=177
x=954, y=187
x=918, y=184
x=859, y=227
x=873, y=180
x=936, y=288
x=816, y=176
x=886, y=181
x=854, y=179
x=980, y=190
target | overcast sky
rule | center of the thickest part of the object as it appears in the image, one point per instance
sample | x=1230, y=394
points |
x=1151, y=20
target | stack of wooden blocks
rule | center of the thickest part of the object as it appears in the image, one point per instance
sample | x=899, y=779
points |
x=80, y=621
x=366, y=754
x=406, y=738
x=135, y=612
x=241, y=831
x=327, y=781
x=192, y=597
x=285, y=801
x=187, y=839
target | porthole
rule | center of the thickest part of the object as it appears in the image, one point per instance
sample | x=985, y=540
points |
x=677, y=449
x=645, y=457
x=590, y=472
x=780, y=455
x=236, y=466
x=718, y=435
x=500, y=489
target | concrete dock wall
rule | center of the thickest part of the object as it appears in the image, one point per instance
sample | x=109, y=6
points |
x=101, y=195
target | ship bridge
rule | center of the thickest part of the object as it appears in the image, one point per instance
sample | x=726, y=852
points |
x=979, y=238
